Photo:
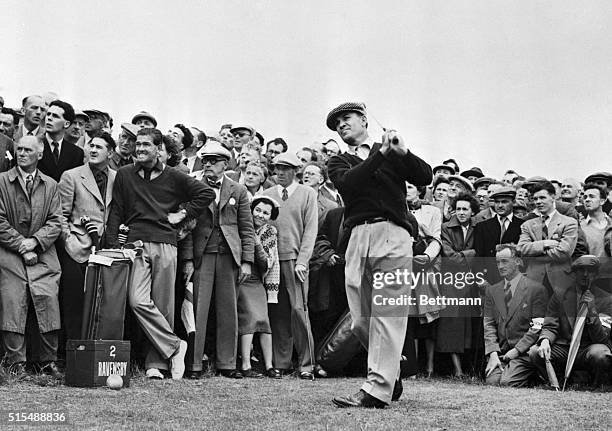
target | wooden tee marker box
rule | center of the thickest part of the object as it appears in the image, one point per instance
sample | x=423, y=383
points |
x=90, y=362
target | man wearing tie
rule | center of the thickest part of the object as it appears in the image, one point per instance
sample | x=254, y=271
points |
x=30, y=222
x=588, y=306
x=84, y=191
x=548, y=241
x=297, y=232
x=504, y=228
x=219, y=253
x=513, y=315
x=59, y=155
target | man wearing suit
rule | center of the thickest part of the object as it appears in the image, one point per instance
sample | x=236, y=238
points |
x=84, y=191
x=221, y=251
x=33, y=109
x=59, y=156
x=582, y=300
x=513, y=315
x=547, y=242
x=489, y=212
x=504, y=228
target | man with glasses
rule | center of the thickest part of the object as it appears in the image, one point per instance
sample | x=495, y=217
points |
x=219, y=253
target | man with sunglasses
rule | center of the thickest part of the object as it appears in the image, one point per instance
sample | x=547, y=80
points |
x=219, y=254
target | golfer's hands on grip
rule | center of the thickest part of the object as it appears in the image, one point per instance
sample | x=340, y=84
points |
x=544, y=349
x=392, y=141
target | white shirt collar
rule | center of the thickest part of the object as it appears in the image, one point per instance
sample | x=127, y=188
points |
x=23, y=174
x=26, y=132
x=290, y=189
x=49, y=140
x=508, y=217
x=514, y=282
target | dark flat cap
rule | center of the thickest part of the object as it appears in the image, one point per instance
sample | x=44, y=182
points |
x=503, y=192
x=483, y=182
x=450, y=168
x=474, y=172
x=586, y=261
x=599, y=176
x=145, y=114
x=340, y=109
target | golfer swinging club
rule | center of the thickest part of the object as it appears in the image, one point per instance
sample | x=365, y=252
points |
x=374, y=192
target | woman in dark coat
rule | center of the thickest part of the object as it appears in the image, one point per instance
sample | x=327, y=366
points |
x=454, y=328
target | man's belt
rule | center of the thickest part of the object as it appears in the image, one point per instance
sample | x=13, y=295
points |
x=372, y=220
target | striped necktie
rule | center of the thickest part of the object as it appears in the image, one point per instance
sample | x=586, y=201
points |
x=29, y=184
x=544, y=227
x=508, y=294
x=285, y=195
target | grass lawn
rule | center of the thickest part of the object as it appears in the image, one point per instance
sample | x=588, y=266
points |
x=220, y=403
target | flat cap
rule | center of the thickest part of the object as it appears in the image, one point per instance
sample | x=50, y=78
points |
x=473, y=172
x=503, y=192
x=250, y=129
x=450, y=168
x=599, y=176
x=483, y=182
x=130, y=129
x=466, y=183
x=82, y=115
x=340, y=109
x=534, y=180
x=287, y=159
x=214, y=148
x=586, y=261
x=144, y=114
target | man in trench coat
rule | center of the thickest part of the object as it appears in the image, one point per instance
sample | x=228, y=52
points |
x=30, y=222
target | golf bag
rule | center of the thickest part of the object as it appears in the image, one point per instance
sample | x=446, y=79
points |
x=106, y=285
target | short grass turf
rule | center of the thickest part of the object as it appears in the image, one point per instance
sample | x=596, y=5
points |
x=291, y=403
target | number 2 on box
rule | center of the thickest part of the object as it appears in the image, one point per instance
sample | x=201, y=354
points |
x=112, y=351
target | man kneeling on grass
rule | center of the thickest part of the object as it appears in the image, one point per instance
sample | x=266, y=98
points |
x=513, y=315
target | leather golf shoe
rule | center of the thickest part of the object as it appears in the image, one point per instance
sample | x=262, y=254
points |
x=360, y=399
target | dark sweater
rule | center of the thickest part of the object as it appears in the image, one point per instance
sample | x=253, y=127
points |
x=376, y=187
x=144, y=205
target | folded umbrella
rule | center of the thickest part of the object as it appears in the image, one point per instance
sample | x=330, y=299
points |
x=575, y=343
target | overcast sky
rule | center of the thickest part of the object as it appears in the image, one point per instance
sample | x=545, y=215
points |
x=498, y=84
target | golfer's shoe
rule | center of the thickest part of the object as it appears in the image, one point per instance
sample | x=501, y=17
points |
x=154, y=374
x=177, y=361
x=398, y=389
x=360, y=399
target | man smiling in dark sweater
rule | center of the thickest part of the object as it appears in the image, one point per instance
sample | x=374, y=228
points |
x=374, y=192
x=146, y=198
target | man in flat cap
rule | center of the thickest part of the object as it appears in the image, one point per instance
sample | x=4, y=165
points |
x=144, y=119
x=603, y=179
x=126, y=141
x=242, y=136
x=297, y=232
x=75, y=132
x=151, y=199
x=597, y=222
x=583, y=300
x=374, y=192
x=548, y=241
x=504, y=228
x=220, y=250
x=513, y=315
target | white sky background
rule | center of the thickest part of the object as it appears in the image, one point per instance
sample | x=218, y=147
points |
x=498, y=84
